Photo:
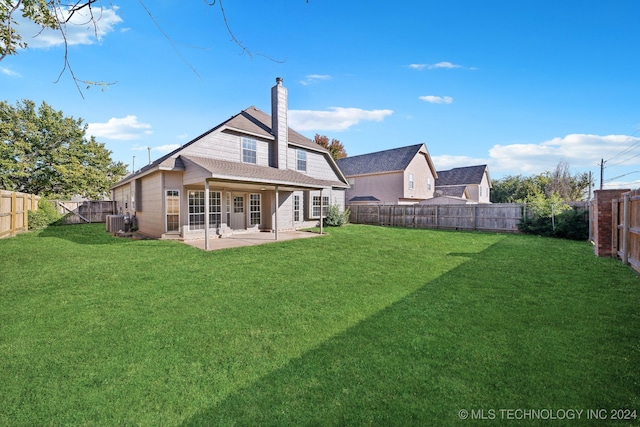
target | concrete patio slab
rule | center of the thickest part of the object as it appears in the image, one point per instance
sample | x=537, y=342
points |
x=249, y=239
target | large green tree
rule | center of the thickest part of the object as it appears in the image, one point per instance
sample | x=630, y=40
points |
x=559, y=183
x=46, y=153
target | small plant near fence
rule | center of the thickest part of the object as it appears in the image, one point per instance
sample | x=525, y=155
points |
x=335, y=217
x=553, y=217
x=46, y=215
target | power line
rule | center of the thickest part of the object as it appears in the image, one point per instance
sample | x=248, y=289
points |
x=626, y=150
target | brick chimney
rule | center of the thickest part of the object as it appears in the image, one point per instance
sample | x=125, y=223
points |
x=279, y=123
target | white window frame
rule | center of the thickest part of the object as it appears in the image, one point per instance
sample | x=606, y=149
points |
x=411, y=184
x=301, y=160
x=296, y=208
x=255, y=215
x=166, y=209
x=195, y=203
x=249, y=151
x=315, y=206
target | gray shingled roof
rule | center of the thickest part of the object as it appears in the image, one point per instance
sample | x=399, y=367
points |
x=243, y=172
x=251, y=120
x=396, y=159
x=364, y=199
x=461, y=176
x=452, y=190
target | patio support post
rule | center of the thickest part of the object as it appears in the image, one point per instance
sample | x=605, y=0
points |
x=321, y=211
x=206, y=215
x=277, y=203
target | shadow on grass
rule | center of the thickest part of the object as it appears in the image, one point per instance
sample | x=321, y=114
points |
x=478, y=337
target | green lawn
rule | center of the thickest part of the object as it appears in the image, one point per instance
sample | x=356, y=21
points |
x=366, y=326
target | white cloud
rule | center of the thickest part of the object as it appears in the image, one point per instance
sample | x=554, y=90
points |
x=446, y=162
x=579, y=150
x=336, y=119
x=444, y=65
x=167, y=148
x=124, y=129
x=431, y=99
x=313, y=78
x=79, y=30
x=9, y=72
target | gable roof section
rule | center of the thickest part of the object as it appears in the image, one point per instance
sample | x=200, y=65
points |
x=462, y=176
x=250, y=121
x=396, y=159
x=452, y=190
x=242, y=172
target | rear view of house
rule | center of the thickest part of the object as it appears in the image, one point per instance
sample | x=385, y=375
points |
x=249, y=173
x=404, y=175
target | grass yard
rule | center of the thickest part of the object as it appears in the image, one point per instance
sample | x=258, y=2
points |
x=366, y=326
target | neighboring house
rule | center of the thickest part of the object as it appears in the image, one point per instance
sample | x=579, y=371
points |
x=475, y=179
x=452, y=195
x=403, y=175
x=251, y=172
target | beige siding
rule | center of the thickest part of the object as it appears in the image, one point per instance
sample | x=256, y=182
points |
x=122, y=196
x=486, y=194
x=151, y=218
x=422, y=175
x=387, y=188
x=317, y=165
x=227, y=146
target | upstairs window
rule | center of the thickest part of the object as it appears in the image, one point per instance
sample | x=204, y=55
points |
x=249, y=151
x=428, y=184
x=410, y=181
x=302, y=160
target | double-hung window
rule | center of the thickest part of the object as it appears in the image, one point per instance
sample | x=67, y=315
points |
x=249, y=151
x=254, y=209
x=197, y=211
x=316, y=206
x=301, y=163
x=296, y=208
x=410, y=181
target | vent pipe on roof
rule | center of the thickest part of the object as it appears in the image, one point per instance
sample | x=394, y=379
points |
x=279, y=123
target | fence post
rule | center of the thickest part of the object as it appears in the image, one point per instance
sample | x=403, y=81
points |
x=615, y=222
x=14, y=213
x=378, y=214
x=475, y=216
x=625, y=232
x=436, y=216
x=25, y=212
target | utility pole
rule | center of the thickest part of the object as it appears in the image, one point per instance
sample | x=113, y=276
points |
x=601, y=172
x=590, y=184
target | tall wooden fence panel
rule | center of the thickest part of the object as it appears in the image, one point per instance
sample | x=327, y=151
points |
x=85, y=212
x=495, y=217
x=14, y=212
x=626, y=228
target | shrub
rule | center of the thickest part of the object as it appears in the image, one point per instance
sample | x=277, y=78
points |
x=335, y=217
x=45, y=215
x=569, y=224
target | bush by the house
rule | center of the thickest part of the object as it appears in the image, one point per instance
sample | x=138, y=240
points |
x=336, y=218
x=45, y=215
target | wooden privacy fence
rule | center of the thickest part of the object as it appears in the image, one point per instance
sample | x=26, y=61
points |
x=502, y=217
x=626, y=228
x=84, y=212
x=14, y=212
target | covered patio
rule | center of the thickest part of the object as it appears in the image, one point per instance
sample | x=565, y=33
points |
x=249, y=239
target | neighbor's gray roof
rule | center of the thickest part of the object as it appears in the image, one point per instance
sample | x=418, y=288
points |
x=396, y=159
x=364, y=199
x=461, y=176
x=251, y=120
x=243, y=172
x=452, y=190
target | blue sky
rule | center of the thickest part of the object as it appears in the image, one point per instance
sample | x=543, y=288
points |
x=519, y=85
